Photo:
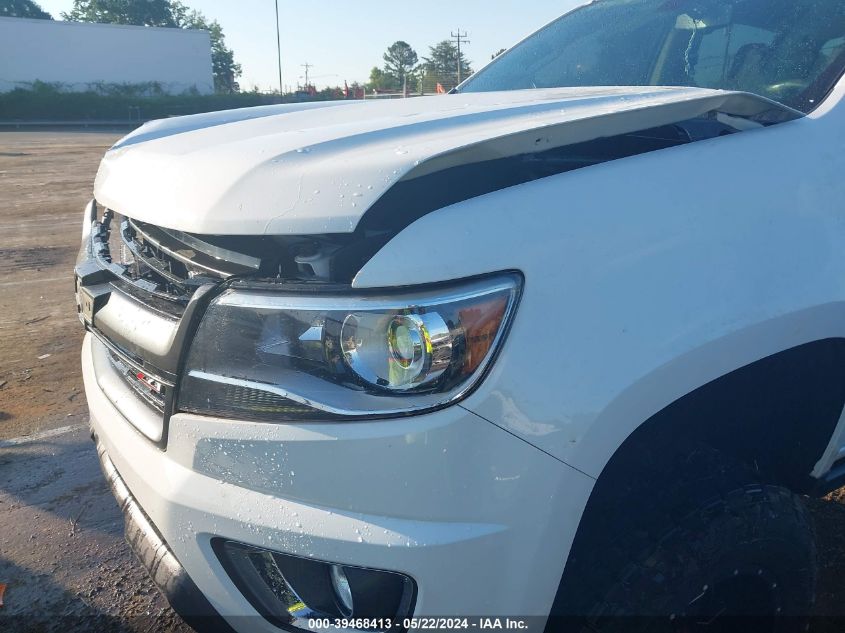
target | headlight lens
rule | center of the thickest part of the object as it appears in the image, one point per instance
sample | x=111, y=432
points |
x=399, y=352
x=268, y=356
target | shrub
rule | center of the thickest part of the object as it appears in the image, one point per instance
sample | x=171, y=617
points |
x=41, y=101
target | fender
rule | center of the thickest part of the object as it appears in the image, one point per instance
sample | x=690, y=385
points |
x=660, y=273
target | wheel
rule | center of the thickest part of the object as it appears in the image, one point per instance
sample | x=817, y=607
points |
x=695, y=546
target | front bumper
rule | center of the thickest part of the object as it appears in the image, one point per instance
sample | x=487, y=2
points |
x=155, y=555
x=481, y=520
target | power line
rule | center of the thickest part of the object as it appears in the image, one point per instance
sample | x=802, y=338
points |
x=459, y=38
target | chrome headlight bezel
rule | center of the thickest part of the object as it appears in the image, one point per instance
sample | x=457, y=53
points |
x=281, y=356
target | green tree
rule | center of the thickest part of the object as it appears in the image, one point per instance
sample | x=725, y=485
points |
x=380, y=80
x=495, y=55
x=22, y=9
x=441, y=66
x=400, y=61
x=137, y=12
x=223, y=66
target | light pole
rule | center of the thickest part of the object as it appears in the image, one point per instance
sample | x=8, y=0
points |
x=279, y=51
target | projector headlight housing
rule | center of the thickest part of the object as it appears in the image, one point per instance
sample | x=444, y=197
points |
x=281, y=356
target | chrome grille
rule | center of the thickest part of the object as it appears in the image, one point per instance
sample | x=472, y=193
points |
x=167, y=264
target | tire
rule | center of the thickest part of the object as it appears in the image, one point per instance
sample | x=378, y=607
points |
x=692, y=544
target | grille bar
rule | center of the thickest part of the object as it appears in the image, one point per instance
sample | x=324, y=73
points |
x=230, y=262
x=164, y=264
x=158, y=266
x=198, y=257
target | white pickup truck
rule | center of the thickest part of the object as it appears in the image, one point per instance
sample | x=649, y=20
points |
x=566, y=345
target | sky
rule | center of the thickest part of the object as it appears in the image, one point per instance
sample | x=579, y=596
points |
x=344, y=39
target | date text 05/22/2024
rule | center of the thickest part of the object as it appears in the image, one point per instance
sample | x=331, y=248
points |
x=428, y=624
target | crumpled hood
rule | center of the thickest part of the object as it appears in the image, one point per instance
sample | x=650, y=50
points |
x=317, y=168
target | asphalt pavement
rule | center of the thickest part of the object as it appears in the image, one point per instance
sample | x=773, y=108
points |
x=63, y=558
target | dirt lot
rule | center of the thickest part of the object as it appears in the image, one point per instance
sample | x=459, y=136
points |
x=62, y=552
x=45, y=181
x=61, y=548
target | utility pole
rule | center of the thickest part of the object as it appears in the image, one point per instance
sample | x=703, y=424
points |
x=279, y=51
x=307, y=68
x=459, y=38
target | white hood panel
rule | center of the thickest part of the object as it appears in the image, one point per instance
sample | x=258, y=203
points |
x=316, y=168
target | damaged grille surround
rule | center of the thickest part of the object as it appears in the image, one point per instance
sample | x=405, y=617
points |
x=141, y=290
x=138, y=291
x=169, y=265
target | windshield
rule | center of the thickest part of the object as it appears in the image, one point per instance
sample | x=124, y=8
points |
x=791, y=51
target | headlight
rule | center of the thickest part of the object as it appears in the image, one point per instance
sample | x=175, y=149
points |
x=269, y=356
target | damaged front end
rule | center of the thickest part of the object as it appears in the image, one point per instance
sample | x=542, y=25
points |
x=142, y=287
x=172, y=265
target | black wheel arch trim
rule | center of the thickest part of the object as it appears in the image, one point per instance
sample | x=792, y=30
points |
x=777, y=415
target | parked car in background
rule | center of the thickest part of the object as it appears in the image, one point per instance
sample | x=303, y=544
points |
x=567, y=344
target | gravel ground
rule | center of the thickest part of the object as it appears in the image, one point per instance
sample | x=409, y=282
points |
x=62, y=552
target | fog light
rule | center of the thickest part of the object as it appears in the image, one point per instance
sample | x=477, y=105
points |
x=341, y=587
x=288, y=591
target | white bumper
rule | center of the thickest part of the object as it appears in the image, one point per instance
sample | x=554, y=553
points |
x=482, y=521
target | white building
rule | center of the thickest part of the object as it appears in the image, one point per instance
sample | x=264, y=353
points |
x=81, y=55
